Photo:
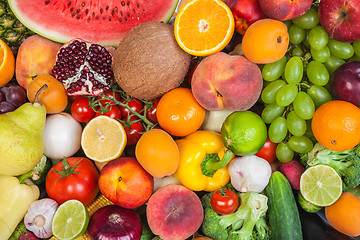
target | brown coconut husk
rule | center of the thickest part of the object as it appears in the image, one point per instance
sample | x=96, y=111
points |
x=148, y=62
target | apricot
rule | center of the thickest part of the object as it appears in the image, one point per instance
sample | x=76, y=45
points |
x=54, y=97
x=265, y=41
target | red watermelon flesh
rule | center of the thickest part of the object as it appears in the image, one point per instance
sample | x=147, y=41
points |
x=102, y=21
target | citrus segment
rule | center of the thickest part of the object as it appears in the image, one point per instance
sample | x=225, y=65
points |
x=7, y=63
x=103, y=139
x=321, y=185
x=70, y=220
x=204, y=27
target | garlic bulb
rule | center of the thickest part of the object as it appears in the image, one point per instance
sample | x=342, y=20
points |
x=39, y=216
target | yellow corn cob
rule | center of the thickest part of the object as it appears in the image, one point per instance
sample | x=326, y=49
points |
x=99, y=202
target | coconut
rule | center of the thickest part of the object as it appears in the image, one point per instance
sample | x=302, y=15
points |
x=148, y=61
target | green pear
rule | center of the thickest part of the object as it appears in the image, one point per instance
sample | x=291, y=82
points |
x=21, y=138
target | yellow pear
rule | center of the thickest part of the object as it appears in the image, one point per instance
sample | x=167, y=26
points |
x=21, y=140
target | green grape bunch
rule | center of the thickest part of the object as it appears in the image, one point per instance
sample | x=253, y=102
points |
x=297, y=84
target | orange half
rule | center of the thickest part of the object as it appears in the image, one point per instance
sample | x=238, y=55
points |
x=7, y=63
x=204, y=27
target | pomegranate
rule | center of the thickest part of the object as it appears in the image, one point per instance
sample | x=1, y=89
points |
x=84, y=68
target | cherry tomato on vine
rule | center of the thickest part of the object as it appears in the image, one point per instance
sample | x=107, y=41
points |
x=109, y=94
x=73, y=178
x=151, y=113
x=224, y=201
x=81, y=111
x=134, y=104
x=134, y=130
x=268, y=151
x=113, y=111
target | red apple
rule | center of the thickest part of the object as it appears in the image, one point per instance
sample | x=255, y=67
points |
x=124, y=182
x=345, y=82
x=283, y=10
x=226, y=82
x=245, y=13
x=341, y=19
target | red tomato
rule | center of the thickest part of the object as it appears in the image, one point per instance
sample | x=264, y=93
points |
x=151, y=113
x=134, y=104
x=109, y=94
x=224, y=201
x=81, y=111
x=268, y=151
x=66, y=181
x=112, y=111
x=133, y=130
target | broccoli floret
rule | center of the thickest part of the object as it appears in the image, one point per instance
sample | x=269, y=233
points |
x=355, y=191
x=210, y=225
x=346, y=163
x=248, y=222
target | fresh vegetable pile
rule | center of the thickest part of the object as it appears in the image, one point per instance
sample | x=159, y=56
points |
x=219, y=124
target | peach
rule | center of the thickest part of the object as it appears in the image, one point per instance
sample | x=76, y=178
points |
x=124, y=182
x=283, y=10
x=226, y=82
x=174, y=212
x=36, y=56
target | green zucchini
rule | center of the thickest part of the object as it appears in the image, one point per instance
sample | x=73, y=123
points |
x=283, y=213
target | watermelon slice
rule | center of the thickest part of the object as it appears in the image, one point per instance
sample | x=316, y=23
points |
x=102, y=21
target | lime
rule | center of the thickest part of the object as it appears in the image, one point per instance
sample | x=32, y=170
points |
x=321, y=185
x=306, y=205
x=244, y=132
x=70, y=220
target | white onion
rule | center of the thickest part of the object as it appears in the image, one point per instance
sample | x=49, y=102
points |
x=249, y=173
x=214, y=119
x=62, y=136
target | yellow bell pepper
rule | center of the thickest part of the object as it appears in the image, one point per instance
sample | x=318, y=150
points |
x=203, y=161
x=15, y=199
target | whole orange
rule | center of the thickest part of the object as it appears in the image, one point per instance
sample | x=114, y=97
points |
x=179, y=113
x=336, y=125
x=344, y=214
x=54, y=97
x=157, y=153
x=265, y=41
x=7, y=63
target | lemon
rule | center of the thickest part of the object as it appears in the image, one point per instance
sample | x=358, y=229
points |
x=103, y=139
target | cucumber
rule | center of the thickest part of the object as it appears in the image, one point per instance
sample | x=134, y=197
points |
x=283, y=213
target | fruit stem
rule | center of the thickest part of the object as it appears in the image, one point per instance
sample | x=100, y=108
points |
x=211, y=163
x=25, y=176
x=38, y=93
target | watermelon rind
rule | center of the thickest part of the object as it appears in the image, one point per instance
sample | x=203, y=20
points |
x=62, y=33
